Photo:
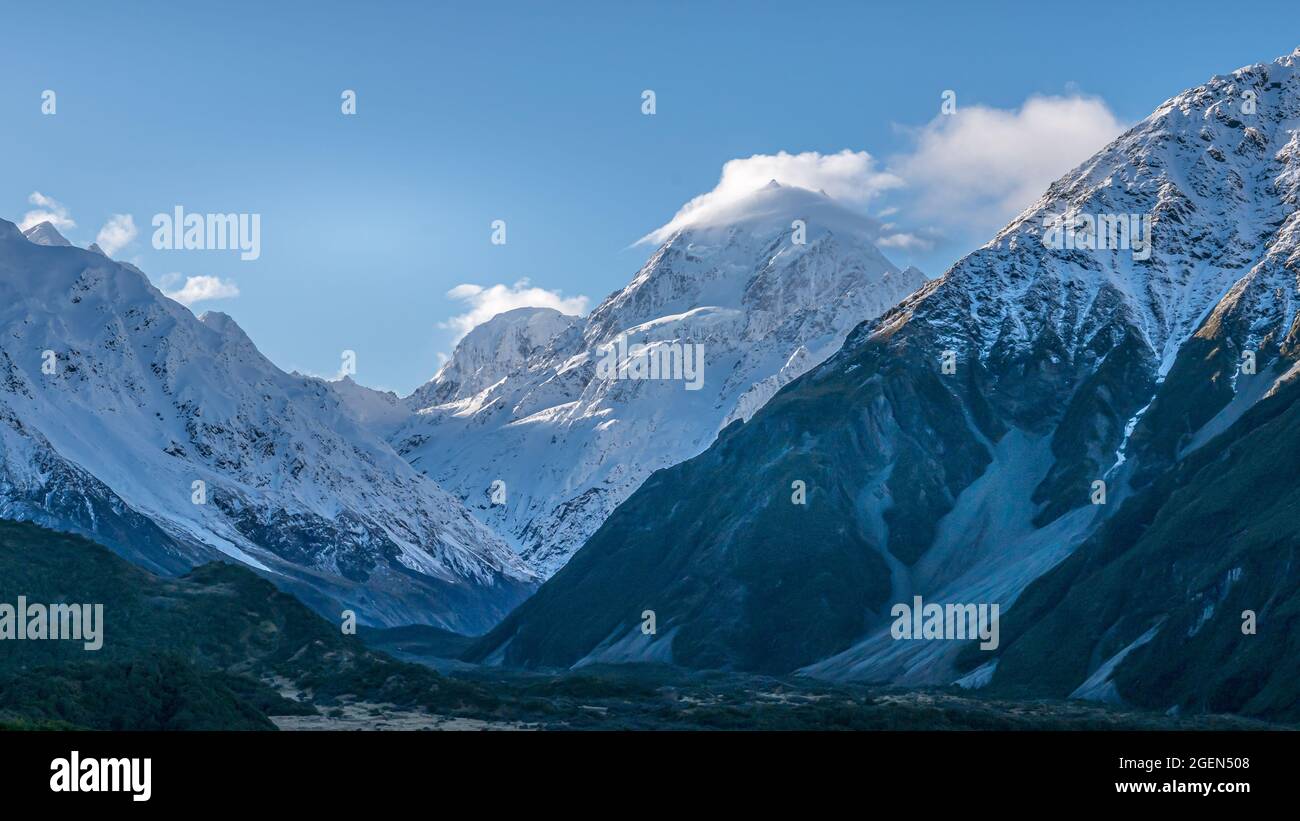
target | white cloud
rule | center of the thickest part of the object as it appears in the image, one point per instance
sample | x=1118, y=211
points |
x=48, y=210
x=116, y=234
x=919, y=240
x=485, y=303
x=982, y=166
x=852, y=177
x=970, y=171
x=200, y=288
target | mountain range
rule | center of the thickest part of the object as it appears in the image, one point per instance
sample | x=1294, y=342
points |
x=523, y=406
x=174, y=441
x=171, y=439
x=750, y=457
x=1091, y=434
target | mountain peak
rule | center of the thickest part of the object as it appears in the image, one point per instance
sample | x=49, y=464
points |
x=765, y=211
x=749, y=298
x=490, y=351
x=44, y=233
x=731, y=256
x=533, y=325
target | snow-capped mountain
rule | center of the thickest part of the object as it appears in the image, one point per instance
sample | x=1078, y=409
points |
x=537, y=421
x=497, y=349
x=45, y=233
x=173, y=440
x=952, y=448
x=1208, y=536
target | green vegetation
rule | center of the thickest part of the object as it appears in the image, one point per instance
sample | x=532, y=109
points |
x=218, y=647
x=163, y=694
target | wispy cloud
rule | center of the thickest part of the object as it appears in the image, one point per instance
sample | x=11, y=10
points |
x=486, y=302
x=116, y=234
x=199, y=288
x=48, y=210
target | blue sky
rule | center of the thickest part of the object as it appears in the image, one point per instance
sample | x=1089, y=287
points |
x=531, y=113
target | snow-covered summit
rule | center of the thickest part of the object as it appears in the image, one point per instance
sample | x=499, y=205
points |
x=45, y=233
x=769, y=208
x=761, y=299
x=491, y=351
x=764, y=251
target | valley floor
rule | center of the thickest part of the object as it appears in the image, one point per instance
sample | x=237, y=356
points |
x=662, y=698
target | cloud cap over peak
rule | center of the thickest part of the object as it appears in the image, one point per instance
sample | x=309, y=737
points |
x=848, y=177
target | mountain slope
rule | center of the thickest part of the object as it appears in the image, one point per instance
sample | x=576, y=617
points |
x=525, y=408
x=963, y=484
x=115, y=401
x=1153, y=610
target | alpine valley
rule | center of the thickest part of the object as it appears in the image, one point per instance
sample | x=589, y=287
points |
x=1092, y=440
